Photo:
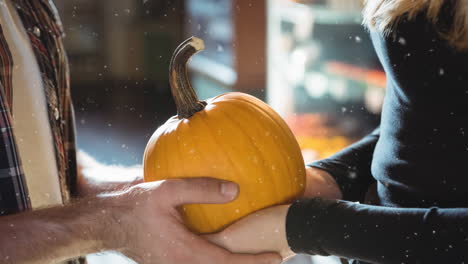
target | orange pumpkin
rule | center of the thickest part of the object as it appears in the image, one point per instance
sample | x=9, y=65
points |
x=234, y=137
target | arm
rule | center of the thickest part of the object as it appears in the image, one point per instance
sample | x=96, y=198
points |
x=143, y=223
x=350, y=169
x=319, y=183
x=55, y=234
x=370, y=233
x=95, y=178
x=378, y=234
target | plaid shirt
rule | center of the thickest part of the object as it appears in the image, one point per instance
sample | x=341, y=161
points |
x=44, y=29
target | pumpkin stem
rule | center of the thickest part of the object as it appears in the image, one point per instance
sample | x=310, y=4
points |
x=185, y=98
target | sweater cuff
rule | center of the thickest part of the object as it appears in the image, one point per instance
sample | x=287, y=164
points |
x=304, y=233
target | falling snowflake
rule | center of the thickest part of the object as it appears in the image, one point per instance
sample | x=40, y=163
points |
x=402, y=41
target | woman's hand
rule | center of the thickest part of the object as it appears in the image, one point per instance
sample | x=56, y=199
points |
x=260, y=232
x=265, y=230
x=320, y=183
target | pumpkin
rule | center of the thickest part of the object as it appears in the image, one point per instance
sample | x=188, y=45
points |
x=234, y=137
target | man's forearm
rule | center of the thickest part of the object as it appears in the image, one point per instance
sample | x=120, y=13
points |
x=56, y=234
x=95, y=178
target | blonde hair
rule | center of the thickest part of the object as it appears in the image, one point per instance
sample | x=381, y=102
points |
x=383, y=15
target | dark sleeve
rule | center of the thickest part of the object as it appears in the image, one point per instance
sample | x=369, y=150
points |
x=351, y=167
x=378, y=234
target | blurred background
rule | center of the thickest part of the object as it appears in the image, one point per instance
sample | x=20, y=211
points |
x=312, y=61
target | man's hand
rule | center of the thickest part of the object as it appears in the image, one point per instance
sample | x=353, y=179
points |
x=142, y=223
x=152, y=230
x=320, y=183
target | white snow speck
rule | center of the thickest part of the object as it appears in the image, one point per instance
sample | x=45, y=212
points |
x=402, y=41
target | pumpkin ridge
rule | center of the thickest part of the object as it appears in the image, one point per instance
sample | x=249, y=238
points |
x=274, y=116
x=204, y=210
x=258, y=151
x=198, y=116
x=228, y=156
x=265, y=113
x=161, y=148
x=294, y=191
x=178, y=134
x=180, y=168
x=288, y=165
x=287, y=131
x=214, y=138
x=284, y=128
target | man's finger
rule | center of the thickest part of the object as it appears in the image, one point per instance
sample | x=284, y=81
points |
x=199, y=191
